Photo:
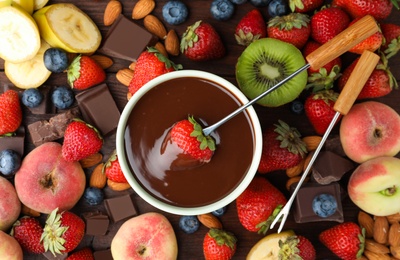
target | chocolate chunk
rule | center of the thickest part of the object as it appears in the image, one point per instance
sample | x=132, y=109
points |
x=329, y=167
x=333, y=144
x=96, y=223
x=103, y=255
x=126, y=39
x=49, y=255
x=120, y=207
x=52, y=129
x=15, y=142
x=99, y=109
x=303, y=210
x=46, y=106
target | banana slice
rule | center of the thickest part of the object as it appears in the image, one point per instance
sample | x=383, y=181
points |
x=19, y=35
x=37, y=4
x=27, y=5
x=66, y=26
x=31, y=73
x=5, y=3
x=268, y=247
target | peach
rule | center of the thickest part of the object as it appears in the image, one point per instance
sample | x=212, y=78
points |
x=374, y=186
x=147, y=236
x=9, y=248
x=46, y=181
x=369, y=130
x=10, y=206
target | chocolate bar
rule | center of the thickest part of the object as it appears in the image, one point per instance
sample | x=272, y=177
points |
x=99, y=109
x=15, y=142
x=50, y=130
x=303, y=210
x=126, y=39
x=103, y=255
x=96, y=223
x=121, y=207
x=329, y=167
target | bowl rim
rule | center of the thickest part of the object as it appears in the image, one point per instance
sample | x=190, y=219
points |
x=120, y=144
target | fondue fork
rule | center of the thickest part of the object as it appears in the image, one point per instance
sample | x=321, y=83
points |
x=347, y=96
x=341, y=43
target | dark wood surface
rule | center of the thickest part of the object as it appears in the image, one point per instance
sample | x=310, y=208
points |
x=190, y=246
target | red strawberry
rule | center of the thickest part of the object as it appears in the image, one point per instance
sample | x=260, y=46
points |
x=346, y=240
x=80, y=141
x=112, y=169
x=319, y=109
x=282, y=148
x=250, y=28
x=379, y=84
x=297, y=247
x=201, y=42
x=372, y=43
x=391, y=32
x=10, y=112
x=63, y=232
x=293, y=28
x=259, y=204
x=219, y=245
x=84, y=72
x=28, y=231
x=305, y=6
x=82, y=254
x=188, y=135
x=379, y=9
x=324, y=77
x=150, y=64
x=327, y=23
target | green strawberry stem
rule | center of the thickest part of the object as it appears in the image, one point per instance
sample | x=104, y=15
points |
x=322, y=80
x=168, y=63
x=361, y=237
x=290, y=138
x=205, y=141
x=223, y=237
x=190, y=37
x=264, y=226
x=52, y=234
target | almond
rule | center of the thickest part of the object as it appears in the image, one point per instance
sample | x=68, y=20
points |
x=172, y=43
x=394, y=234
x=118, y=186
x=155, y=26
x=375, y=247
x=381, y=229
x=307, y=160
x=367, y=222
x=112, y=11
x=124, y=76
x=161, y=48
x=104, y=61
x=29, y=212
x=294, y=179
x=210, y=221
x=98, y=179
x=393, y=218
x=375, y=256
x=132, y=65
x=128, y=96
x=91, y=160
x=395, y=251
x=295, y=170
x=312, y=142
x=143, y=8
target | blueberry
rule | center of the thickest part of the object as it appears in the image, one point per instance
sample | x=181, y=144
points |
x=260, y=2
x=10, y=161
x=297, y=107
x=62, y=97
x=222, y=9
x=238, y=2
x=324, y=205
x=93, y=196
x=278, y=8
x=55, y=60
x=219, y=212
x=189, y=224
x=32, y=97
x=175, y=12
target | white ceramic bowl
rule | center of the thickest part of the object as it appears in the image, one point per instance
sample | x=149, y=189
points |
x=120, y=145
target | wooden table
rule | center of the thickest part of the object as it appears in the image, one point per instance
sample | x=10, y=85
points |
x=190, y=246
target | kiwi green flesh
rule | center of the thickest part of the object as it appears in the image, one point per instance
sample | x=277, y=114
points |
x=266, y=62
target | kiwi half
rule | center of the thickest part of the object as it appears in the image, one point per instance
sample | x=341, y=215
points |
x=266, y=62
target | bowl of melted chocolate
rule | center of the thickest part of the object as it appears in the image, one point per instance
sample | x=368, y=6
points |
x=145, y=122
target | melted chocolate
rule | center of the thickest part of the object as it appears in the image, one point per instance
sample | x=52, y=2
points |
x=169, y=103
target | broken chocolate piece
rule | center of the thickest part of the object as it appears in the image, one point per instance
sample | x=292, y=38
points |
x=96, y=223
x=329, y=167
x=303, y=210
x=52, y=129
x=126, y=39
x=49, y=255
x=15, y=142
x=103, y=255
x=99, y=109
x=46, y=106
x=121, y=207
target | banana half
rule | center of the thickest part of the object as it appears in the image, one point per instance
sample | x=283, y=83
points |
x=268, y=247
